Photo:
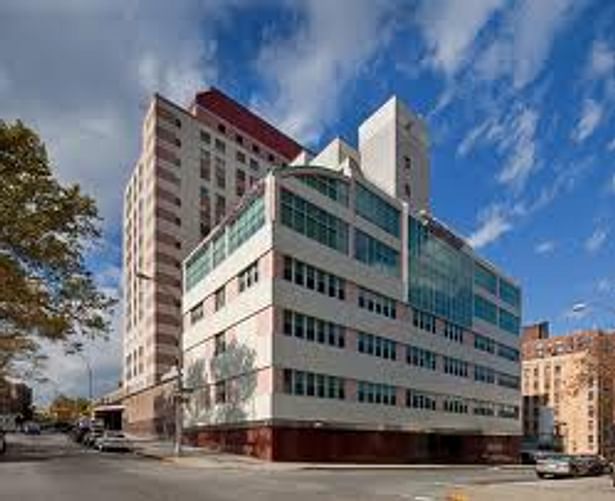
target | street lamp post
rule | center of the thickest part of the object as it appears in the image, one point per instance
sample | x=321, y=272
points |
x=178, y=397
x=90, y=373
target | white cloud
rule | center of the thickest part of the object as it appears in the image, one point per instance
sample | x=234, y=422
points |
x=514, y=136
x=546, y=247
x=493, y=224
x=611, y=145
x=535, y=27
x=306, y=74
x=524, y=43
x=601, y=60
x=596, y=240
x=605, y=286
x=81, y=81
x=473, y=138
x=591, y=114
x=522, y=149
x=451, y=27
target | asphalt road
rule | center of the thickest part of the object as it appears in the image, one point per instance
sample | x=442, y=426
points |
x=50, y=468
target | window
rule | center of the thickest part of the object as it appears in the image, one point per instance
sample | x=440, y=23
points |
x=240, y=182
x=483, y=343
x=314, y=329
x=256, y=148
x=220, y=145
x=455, y=367
x=333, y=188
x=313, y=222
x=208, y=256
x=424, y=321
x=455, y=405
x=484, y=374
x=220, y=392
x=314, y=278
x=254, y=164
x=196, y=313
x=240, y=157
x=376, y=303
x=220, y=208
x=508, y=381
x=376, y=346
x=222, y=128
x=248, y=277
x=370, y=206
x=220, y=299
x=421, y=357
x=376, y=393
x=219, y=344
x=407, y=162
x=485, y=310
x=205, y=165
x=508, y=411
x=440, y=273
x=508, y=353
x=205, y=137
x=420, y=400
x=509, y=322
x=376, y=254
x=453, y=332
x=485, y=278
x=509, y=293
x=220, y=173
x=239, y=138
x=484, y=409
x=247, y=224
x=311, y=384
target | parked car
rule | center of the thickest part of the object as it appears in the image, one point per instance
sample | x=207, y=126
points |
x=112, y=441
x=90, y=437
x=2, y=442
x=31, y=428
x=561, y=465
x=595, y=464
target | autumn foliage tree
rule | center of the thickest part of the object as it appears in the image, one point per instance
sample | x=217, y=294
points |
x=46, y=290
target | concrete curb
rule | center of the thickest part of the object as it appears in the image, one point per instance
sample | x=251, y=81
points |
x=207, y=463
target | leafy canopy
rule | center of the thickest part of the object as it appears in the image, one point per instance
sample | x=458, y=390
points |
x=46, y=291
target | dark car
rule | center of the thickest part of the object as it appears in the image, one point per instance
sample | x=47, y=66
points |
x=595, y=464
x=2, y=442
x=32, y=429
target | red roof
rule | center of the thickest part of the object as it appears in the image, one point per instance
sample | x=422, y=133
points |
x=241, y=117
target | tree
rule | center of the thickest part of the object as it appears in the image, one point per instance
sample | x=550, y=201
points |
x=46, y=290
x=66, y=409
x=595, y=372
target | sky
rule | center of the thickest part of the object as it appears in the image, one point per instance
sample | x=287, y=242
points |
x=519, y=98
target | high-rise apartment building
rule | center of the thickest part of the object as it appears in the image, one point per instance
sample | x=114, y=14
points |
x=567, y=378
x=194, y=165
x=330, y=316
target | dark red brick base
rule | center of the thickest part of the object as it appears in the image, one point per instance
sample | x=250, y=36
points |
x=288, y=443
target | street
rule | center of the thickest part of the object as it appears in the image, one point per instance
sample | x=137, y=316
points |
x=51, y=468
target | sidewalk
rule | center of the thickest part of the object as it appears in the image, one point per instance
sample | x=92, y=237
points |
x=197, y=457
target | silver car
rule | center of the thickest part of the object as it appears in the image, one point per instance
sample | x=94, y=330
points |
x=112, y=441
x=560, y=465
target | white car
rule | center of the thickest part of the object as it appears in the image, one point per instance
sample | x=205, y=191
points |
x=112, y=441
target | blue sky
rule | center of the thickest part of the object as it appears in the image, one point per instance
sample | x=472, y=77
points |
x=519, y=97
